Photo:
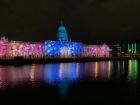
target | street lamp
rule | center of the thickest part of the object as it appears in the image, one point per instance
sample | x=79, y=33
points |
x=118, y=54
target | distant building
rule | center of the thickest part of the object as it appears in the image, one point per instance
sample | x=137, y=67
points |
x=122, y=48
x=115, y=48
x=133, y=47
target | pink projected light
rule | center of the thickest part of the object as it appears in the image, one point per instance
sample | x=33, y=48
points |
x=95, y=50
x=3, y=47
x=19, y=48
x=15, y=48
x=36, y=49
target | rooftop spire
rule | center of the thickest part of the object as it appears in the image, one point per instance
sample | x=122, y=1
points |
x=61, y=23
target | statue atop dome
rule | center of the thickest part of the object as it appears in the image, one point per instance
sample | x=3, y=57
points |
x=61, y=23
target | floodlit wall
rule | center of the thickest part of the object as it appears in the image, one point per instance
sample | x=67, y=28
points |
x=62, y=49
x=95, y=50
x=35, y=49
x=51, y=48
x=15, y=48
x=105, y=49
x=62, y=35
x=3, y=47
x=18, y=48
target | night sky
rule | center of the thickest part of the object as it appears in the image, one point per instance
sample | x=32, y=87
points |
x=86, y=21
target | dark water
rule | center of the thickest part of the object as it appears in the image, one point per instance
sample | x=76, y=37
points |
x=104, y=82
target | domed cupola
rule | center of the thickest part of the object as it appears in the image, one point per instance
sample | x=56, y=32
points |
x=61, y=28
x=62, y=35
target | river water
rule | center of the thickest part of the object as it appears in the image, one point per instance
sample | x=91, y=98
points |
x=102, y=82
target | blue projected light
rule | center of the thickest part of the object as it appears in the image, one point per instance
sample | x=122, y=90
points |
x=62, y=35
x=53, y=48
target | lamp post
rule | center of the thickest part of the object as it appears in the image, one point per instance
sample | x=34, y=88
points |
x=122, y=53
x=118, y=54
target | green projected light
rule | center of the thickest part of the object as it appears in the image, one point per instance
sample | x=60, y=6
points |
x=135, y=47
x=132, y=48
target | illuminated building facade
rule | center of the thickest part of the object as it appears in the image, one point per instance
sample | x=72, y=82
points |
x=122, y=48
x=95, y=50
x=62, y=36
x=63, y=47
x=35, y=49
x=133, y=49
x=15, y=48
x=18, y=48
x=4, y=44
x=118, y=48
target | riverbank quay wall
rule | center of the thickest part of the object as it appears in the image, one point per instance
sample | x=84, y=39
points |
x=61, y=60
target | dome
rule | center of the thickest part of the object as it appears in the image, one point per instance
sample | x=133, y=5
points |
x=61, y=29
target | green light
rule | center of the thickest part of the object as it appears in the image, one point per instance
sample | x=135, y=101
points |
x=120, y=49
x=129, y=67
x=132, y=48
x=129, y=70
x=128, y=48
x=136, y=69
x=133, y=75
x=132, y=71
x=135, y=47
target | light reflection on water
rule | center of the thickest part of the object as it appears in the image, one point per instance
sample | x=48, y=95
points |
x=53, y=73
x=63, y=75
x=132, y=71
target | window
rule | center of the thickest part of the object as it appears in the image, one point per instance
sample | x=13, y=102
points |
x=4, y=48
x=26, y=48
x=117, y=44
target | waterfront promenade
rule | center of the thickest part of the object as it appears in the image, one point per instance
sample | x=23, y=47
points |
x=11, y=61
